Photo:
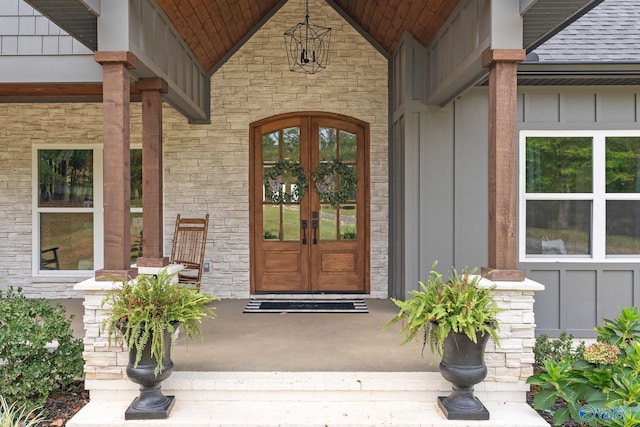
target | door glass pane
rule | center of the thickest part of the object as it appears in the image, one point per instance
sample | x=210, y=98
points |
x=347, y=146
x=328, y=223
x=291, y=222
x=623, y=227
x=270, y=147
x=69, y=238
x=271, y=186
x=558, y=227
x=327, y=144
x=348, y=222
x=623, y=164
x=559, y=165
x=291, y=146
x=136, y=178
x=65, y=178
x=271, y=222
x=352, y=193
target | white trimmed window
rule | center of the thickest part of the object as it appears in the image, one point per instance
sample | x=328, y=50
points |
x=67, y=214
x=579, y=196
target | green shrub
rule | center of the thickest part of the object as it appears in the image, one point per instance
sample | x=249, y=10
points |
x=15, y=415
x=31, y=368
x=557, y=349
x=602, y=385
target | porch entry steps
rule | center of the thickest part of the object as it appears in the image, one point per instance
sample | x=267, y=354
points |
x=305, y=399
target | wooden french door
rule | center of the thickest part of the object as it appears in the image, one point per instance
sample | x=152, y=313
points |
x=309, y=204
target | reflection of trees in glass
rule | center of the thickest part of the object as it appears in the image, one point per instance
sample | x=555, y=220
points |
x=291, y=143
x=623, y=164
x=327, y=141
x=565, y=220
x=65, y=177
x=136, y=177
x=559, y=164
x=270, y=147
x=347, y=146
x=623, y=226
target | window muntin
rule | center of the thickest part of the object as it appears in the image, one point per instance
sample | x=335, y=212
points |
x=579, y=193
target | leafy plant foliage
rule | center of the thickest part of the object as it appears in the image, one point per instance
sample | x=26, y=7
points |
x=555, y=349
x=15, y=415
x=32, y=367
x=439, y=307
x=602, y=385
x=143, y=308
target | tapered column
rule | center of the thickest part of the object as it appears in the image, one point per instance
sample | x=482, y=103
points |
x=117, y=171
x=152, y=223
x=503, y=202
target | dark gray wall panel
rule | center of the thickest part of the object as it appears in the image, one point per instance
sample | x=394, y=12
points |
x=542, y=107
x=578, y=107
x=471, y=179
x=578, y=298
x=437, y=192
x=547, y=302
x=616, y=106
x=615, y=291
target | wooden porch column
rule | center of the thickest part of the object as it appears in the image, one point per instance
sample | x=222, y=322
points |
x=152, y=223
x=117, y=176
x=503, y=202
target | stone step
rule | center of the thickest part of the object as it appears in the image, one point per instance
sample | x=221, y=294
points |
x=304, y=399
x=321, y=414
x=312, y=386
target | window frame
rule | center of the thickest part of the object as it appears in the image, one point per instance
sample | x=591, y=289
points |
x=97, y=209
x=598, y=197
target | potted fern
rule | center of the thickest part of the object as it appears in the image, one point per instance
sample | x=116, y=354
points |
x=455, y=318
x=147, y=311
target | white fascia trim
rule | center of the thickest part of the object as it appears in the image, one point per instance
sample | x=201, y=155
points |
x=50, y=69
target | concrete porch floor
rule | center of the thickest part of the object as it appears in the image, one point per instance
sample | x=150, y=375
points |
x=295, y=342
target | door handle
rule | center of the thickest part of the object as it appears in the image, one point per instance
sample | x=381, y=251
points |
x=304, y=231
x=314, y=225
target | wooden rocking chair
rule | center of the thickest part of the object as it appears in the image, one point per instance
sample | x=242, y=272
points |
x=189, y=241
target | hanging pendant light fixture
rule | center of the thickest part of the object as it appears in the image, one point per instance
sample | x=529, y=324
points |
x=307, y=46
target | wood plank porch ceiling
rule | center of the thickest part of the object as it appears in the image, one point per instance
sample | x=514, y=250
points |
x=213, y=28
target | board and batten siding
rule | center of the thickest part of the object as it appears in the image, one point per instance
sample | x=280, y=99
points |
x=579, y=295
x=439, y=191
x=438, y=177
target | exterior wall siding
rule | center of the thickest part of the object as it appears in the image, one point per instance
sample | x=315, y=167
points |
x=207, y=166
x=579, y=295
x=24, y=31
x=452, y=146
x=25, y=125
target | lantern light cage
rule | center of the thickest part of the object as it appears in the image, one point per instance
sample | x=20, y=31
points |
x=307, y=46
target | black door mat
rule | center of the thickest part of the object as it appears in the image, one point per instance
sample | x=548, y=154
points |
x=306, y=306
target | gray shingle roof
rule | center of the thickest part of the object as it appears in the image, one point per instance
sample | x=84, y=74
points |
x=608, y=33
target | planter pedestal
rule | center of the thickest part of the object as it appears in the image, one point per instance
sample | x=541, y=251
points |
x=151, y=404
x=463, y=365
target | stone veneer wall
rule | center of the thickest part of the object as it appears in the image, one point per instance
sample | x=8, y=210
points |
x=23, y=126
x=513, y=360
x=207, y=166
